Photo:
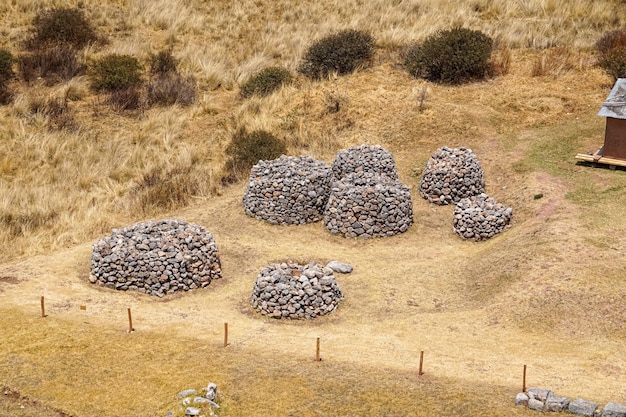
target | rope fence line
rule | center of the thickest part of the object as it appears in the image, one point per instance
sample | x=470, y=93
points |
x=328, y=342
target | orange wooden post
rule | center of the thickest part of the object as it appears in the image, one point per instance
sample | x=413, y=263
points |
x=317, y=351
x=130, y=322
x=43, y=308
x=225, y=334
x=524, y=380
x=421, y=363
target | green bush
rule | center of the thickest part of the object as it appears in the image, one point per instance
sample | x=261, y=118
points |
x=163, y=63
x=451, y=56
x=169, y=89
x=342, y=52
x=248, y=148
x=115, y=72
x=66, y=26
x=611, y=48
x=265, y=82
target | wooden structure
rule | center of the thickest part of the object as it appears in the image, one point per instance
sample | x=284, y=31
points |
x=613, y=152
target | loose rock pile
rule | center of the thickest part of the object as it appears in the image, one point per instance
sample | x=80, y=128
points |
x=364, y=158
x=450, y=175
x=480, y=217
x=366, y=204
x=156, y=258
x=198, y=403
x=292, y=291
x=288, y=190
x=543, y=400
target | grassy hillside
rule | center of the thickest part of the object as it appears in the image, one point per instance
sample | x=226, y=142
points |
x=547, y=292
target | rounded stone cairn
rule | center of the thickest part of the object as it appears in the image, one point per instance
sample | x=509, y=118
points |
x=368, y=205
x=450, y=175
x=288, y=190
x=364, y=158
x=156, y=258
x=480, y=217
x=291, y=291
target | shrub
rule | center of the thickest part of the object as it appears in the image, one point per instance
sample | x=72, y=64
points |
x=265, y=82
x=160, y=189
x=451, y=56
x=66, y=26
x=55, y=63
x=342, y=52
x=6, y=73
x=248, y=148
x=171, y=89
x=163, y=63
x=115, y=72
x=126, y=99
x=614, y=62
x=611, y=48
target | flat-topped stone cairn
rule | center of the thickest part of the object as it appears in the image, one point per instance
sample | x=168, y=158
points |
x=156, y=258
x=364, y=158
x=288, y=190
x=368, y=205
x=291, y=291
x=480, y=217
x=450, y=175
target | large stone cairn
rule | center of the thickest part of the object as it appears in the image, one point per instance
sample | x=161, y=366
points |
x=544, y=400
x=368, y=205
x=450, y=175
x=156, y=258
x=480, y=217
x=364, y=158
x=288, y=190
x=292, y=291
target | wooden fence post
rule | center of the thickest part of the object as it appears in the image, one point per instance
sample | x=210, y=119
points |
x=524, y=380
x=130, y=322
x=421, y=363
x=43, y=308
x=317, y=351
x=225, y=334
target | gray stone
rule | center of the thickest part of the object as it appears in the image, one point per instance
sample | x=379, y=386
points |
x=186, y=393
x=582, y=407
x=340, y=267
x=539, y=394
x=614, y=410
x=535, y=404
x=192, y=411
x=521, y=399
x=201, y=400
x=556, y=404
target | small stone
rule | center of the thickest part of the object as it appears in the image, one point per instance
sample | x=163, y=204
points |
x=614, y=410
x=186, y=393
x=582, y=407
x=340, y=267
x=521, y=399
x=192, y=411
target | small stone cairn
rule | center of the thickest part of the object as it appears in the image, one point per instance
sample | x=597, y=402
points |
x=288, y=190
x=368, y=205
x=450, y=175
x=364, y=158
x=367, y=199
x=291, y=291
x=544, y=400
x=480, y=217
x=196, y=403
x=156, y=258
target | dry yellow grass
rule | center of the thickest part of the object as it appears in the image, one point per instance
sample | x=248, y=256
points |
x=547, y=293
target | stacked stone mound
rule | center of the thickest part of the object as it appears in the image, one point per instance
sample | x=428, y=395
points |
x=156, y=258
x=368, y=205
x=292, y=291
x=364, y=158
x=450, y=175
x=480, y=217
x=288, y=190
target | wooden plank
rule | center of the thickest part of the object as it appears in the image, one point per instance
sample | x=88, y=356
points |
x=601, y=160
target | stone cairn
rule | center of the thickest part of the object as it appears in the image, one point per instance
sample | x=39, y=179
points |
x=288, y=190
x=367, y=199
x=450, y=175
x=480, y=217
x=156, y=258
x=198, y=403
x=368, y=205
x=364, y=158
x=544, y=400
x=292, y=291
